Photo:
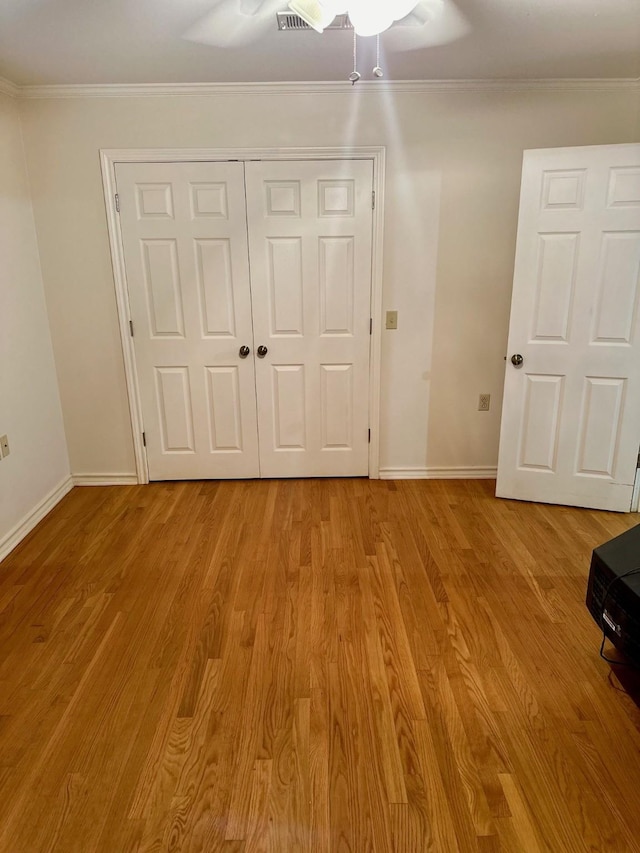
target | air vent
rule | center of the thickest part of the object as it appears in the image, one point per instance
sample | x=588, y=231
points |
x=289, y=21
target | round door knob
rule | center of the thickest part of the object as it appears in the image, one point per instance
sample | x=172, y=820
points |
x=262, y=351
x=516, y=360
x=244, y=352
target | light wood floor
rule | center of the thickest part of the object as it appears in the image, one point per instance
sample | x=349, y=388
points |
x=323, y=666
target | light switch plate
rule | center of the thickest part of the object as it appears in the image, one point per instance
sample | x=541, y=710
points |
x=4, y=446
x=392, y=320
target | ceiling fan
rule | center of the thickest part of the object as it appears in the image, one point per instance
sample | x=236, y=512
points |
x=421, y=23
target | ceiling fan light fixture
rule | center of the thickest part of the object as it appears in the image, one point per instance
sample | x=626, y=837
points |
x=372, y=17
x=368, y=17
x=317, y=15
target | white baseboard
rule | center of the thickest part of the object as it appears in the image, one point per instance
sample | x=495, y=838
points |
x=474, y=473
x=105, y=479
x=17, y=534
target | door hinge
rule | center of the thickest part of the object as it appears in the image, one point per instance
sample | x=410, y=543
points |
x=370, y=325
x=369, y=436
x=131, y=327
x=117, y=198
x=144, y=440
x=638, y=462
x=373, y=199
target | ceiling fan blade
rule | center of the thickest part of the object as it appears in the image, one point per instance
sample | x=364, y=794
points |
x=235, y=23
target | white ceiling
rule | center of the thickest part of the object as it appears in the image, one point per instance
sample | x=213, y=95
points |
x=142, y=41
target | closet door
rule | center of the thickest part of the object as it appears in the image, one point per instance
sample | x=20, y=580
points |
x=310, y=231
x=185, y=247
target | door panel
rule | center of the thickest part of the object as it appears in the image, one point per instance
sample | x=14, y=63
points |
x=284, y=280
x=214, y=277
x=336, y=284
x=224, y=407
x=618, y=283
x=336, y=405
x=555, y=286
x=175, y=412
x=602, y=400
x=539, y=439
x=185, y=248
x=571, y=415
x=288, y=392
x=310, y=251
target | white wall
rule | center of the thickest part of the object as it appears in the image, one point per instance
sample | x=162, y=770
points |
x=30, y=412
x=453, y=177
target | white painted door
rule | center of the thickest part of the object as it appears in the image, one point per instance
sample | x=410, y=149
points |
x=571, y=416
x=194, y=305
x=185, y=248
x=310, y=231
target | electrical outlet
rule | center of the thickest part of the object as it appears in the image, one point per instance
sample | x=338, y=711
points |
x=484, y=402
x=4, y=446
x=392, y=320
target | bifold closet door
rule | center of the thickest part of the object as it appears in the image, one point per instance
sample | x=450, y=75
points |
x=215, y=250
x=310, y=232
x=185, y=248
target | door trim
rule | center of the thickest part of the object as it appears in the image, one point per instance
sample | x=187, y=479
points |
x=109, y=157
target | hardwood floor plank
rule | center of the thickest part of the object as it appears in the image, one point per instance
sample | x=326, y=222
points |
x=384, y=727
x=258, y=812
x=437, y=752
x=319, y=806
x=250, y=732
x=438, y=821
x=299, y=797
x=208, y=773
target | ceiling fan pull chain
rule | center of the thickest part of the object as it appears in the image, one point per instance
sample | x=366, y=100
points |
x=355, y=75
x=377, y=71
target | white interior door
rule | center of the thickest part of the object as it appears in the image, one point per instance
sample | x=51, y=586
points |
x=571, y=416
x=310, y=238
x=185, y=249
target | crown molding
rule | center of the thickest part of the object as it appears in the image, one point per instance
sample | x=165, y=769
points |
x=9, y=88
x=146, y=90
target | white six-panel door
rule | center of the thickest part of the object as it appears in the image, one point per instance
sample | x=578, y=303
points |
x=185, y=248
x=194, y=302
x=310, y=250
x=571, y=416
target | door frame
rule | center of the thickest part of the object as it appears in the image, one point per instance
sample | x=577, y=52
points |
x=110, y=157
